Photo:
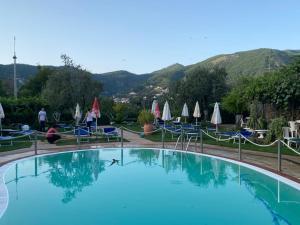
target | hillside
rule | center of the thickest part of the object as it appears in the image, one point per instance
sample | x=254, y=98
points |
x=164, y=76
x=23, y=71
x=245, y=63
x=120, y=82
x=250, y=63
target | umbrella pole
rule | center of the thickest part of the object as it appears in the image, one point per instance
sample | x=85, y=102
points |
x=96, y=124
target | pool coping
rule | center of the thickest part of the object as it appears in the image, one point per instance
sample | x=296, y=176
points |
x=4, y=195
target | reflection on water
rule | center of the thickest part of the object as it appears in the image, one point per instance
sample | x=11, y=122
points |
x=73, y=172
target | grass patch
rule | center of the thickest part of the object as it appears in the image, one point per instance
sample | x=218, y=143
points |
x=5, y=146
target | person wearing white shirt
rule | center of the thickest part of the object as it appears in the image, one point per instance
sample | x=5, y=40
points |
x=89, y=117
x=42, y=117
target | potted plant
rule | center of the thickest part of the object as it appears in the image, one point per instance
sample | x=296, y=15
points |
x=146, y=119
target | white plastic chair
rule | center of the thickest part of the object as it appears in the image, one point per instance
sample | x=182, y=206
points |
x=294, y=128
x=243, y=124
x=286, y=135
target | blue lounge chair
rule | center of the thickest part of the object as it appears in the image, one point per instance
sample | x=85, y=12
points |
x=6, y=139
x=82, y=132
x=65, y=126
x=244, y=134
x=174, y=131
x=110, y=132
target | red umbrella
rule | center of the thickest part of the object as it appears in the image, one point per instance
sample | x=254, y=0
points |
x=96, y=111
x=157, y=111
x=96, y=108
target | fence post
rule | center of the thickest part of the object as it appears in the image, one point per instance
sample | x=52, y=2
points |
x=163, y=137
x=201, y=140
x=279, y=156
x=122, y=143
x=240, y=150
x=182, y=139
x=78, y=137
x=35, y=142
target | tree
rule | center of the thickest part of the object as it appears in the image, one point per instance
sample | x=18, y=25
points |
x=206, y=85
x=280, y=89
x=36, y=84
x=121, y=112
x=234, y=101
x=71, y=85
x=3, y=92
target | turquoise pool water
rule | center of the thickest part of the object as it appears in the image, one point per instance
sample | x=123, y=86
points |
x=156, y=187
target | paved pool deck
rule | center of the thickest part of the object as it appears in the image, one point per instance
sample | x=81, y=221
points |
x=290, y=164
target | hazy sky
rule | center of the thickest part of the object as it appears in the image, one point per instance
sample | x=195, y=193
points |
x=143, y=35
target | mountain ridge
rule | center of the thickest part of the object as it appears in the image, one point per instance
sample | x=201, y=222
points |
x=243, y=63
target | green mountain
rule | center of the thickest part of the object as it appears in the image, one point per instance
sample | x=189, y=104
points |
x=166, y=75
x=250, y=63
x=120, y=82
x=23, y=71
x=245, y=63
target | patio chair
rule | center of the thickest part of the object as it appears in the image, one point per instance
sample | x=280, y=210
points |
x=227, y=134
x=82, y=132
x=174, y=131
x=7, y=139
x=293, y=128
x=245, y=134
x=25, y=130
x=286, y=135
x=65, y=126
x=177, y=122
x=110, y=132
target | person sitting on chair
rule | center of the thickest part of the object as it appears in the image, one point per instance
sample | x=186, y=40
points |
x=52, y=135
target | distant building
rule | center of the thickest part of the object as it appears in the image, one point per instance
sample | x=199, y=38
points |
x=121, y=100
x=132, y=93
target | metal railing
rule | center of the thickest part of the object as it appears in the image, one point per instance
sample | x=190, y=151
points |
x=239, y=136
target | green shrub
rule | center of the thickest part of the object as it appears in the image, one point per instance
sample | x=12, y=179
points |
x=275, y=129
x=145, y=117
x=22, y=110
x=121, y=112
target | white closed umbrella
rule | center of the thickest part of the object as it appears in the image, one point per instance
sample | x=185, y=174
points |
x=154, y=103
x=2, y=116
x=166, y=116
x=216, y=116
x=185, y=111
x=197, y=113
x=78, y=114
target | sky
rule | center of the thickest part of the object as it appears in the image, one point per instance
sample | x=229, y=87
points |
x=142, y=36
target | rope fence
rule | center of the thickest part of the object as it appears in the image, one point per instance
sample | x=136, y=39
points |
x=183, y=135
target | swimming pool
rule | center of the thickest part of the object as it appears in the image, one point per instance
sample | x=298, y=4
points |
x=145, y=186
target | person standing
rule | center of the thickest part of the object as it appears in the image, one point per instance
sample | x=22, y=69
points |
x=42, y=117
x=89, y=120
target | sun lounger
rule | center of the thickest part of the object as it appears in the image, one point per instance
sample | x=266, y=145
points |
x=82, y=132
x=174, y=131
x=6, y=139
x=110, y=132
x=65, y=126
x=244, y=134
